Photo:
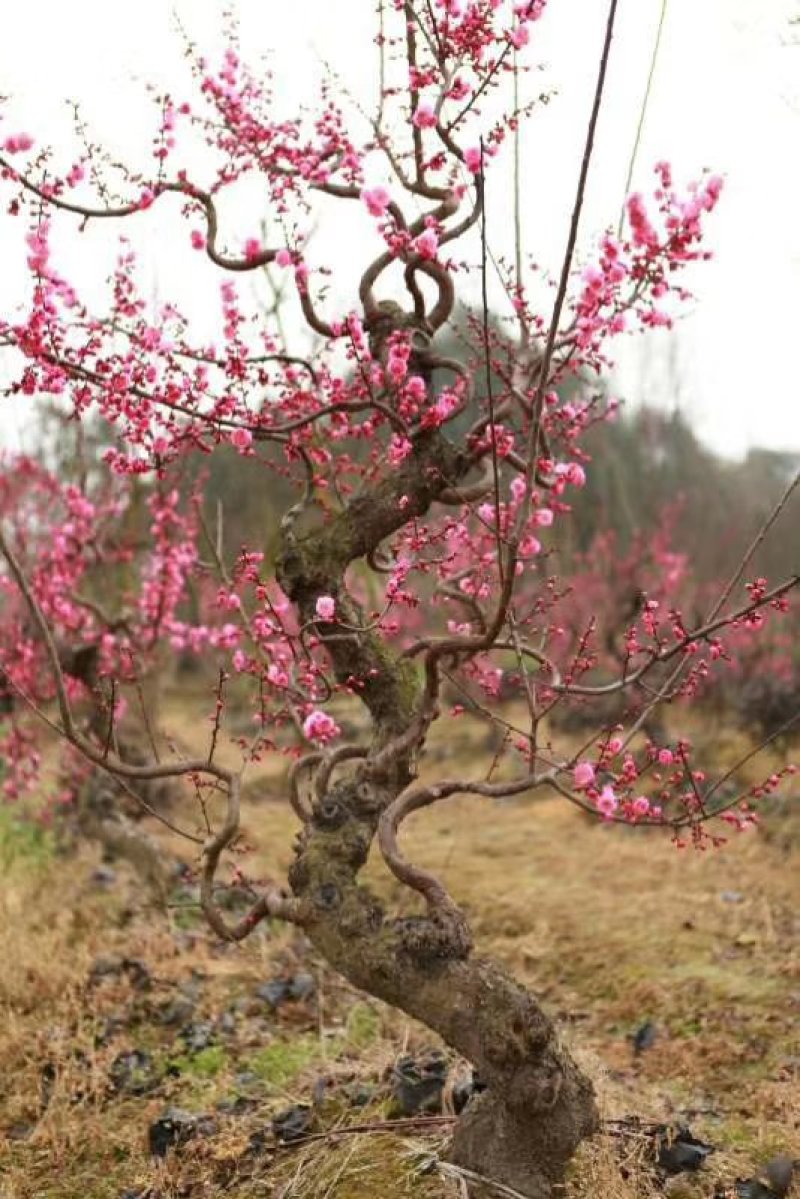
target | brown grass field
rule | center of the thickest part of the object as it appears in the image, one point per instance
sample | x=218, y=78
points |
x=611, y=926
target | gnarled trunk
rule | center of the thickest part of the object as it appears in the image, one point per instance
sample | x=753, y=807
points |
x=538, y=1106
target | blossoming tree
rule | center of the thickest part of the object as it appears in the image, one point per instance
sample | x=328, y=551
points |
x=408, y=488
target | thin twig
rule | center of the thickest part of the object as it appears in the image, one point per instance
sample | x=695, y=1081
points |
x=642, y=112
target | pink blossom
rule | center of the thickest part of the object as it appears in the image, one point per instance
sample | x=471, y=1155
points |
x=242, y=439
x=319, y=726
x=376, y=199
x=277, y=676
x=643, y=232
x=473, y=159
x=18, y=143
x=543, y=517
x=397, y=366
x=517, y=488
x=283, y=257
x=607, y=802
x=252, y=249
x=641, y=805
x=399, y=449
x=198, y=240
x=415, y=389
x=713, y=188
x=325, y=607
x=665, y=757
x=615, y=745
x=529, y=546
x=571, y=472
x=427, y=244
x=425, y=117
x=583, y=775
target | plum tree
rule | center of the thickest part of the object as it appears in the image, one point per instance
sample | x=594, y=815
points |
x=415, y=550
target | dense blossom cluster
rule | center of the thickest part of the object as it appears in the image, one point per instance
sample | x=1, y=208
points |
x=366, y=410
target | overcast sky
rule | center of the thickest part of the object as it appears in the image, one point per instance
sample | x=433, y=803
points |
x=726, y=95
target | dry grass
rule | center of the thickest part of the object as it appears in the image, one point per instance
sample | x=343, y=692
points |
x=612, y=927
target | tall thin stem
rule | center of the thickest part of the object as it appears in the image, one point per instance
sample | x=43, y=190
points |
x=642, y=113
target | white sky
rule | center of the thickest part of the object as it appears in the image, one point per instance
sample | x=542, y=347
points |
x=726, y=95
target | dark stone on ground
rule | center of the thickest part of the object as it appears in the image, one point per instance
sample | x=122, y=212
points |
x=133, y=968
x=174, y=1127
x=177, y=1011
x=773, y=1181
x=644, y=1038
x=134, y=1073
x=293, y=1124
x=678, y=1150
x=198, y=1035
x=296, y=987
x=418, y=1083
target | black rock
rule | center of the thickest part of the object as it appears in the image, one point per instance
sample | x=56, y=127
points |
x=644, y=1038
x=301, y=986
x=137, y=973
x=678, y=1150
x=177, y=1011
x=227, y=1023
x=275, y=992
x=780, y=1171
x=753, y=1188
x=134, y=1073
x=418, y=1083
x=359, y=1094
x=279, y=990
x=198, y=1035
x=259, y=1141
x=773, y=1181
x=104, y=968
x=175, y=1127
x=133, y=968
x=293, y=1124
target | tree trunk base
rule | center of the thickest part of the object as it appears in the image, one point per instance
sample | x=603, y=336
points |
x=519, y=1147
x=538, y=1106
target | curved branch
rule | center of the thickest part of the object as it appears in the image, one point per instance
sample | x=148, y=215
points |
x=470, y=492
x=376, y=268
x=344, y=753
x=308, y=761
x=412, y=800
